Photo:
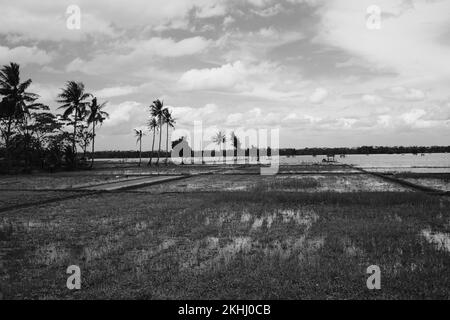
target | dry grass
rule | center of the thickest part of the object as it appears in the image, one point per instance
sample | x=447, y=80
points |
x=246, y=245
x=288, y=183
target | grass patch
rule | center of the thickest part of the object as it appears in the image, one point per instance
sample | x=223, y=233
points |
x=235, y=245
x=289, y=183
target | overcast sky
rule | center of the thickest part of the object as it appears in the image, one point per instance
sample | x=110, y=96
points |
x=312, y=68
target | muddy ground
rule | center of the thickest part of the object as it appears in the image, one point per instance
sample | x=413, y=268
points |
x=224, y=233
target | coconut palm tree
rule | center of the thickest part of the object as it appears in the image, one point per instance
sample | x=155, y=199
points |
x=73, y=99
x=138, y=134
x=16, y=103
x=95, y=115
x=157, y=111
x=153, y=127
x=170, y=121
x=220, y=139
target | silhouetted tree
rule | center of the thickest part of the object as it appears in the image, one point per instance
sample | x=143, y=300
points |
x=96, y=115
x=153, y=127
x=157, y=112
x=138, y=134
x=73, y=98
x=170, y=121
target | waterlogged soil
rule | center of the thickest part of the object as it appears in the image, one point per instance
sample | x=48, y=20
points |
x=228, y=245
x=289, y=183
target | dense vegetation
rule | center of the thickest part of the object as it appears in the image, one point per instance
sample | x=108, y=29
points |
x=31, y=136
x=366, y=150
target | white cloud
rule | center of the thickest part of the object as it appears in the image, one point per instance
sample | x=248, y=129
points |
x=42, y=21
x=124, y=115
x=139, y=53
x=227, y=76
x=47, y=93
x=407, y=43
x=167, y=47
x=410, y=94
x=211, y=10
x=371, y=99
x=253, y=118
x=24, y=55
x=229, y=20
x=187, y=115
x=115, y=91
x=319, y=95
x=46, y=20
x=414, y=119
x=269, y=11
x=234, y=119
x=384, y=120
x=262, y=80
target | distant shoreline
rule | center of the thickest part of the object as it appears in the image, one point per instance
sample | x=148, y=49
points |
x=110, y=154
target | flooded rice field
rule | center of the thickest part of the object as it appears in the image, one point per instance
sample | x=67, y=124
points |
x=427, y=162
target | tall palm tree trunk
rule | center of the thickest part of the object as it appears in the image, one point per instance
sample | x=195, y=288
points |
x=153, y=148
x=93, y=144
x=74, y=145
x=167, y=144
x=8, y=147
x=160, y=136
x=27, y=145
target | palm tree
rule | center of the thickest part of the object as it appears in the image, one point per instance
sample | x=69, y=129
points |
x=220, y=139
x=73, y=97
x=170, y=121
x=96, y=115
x=138, y=135
x=157, y=111
x=17, y=102
x=153, y=126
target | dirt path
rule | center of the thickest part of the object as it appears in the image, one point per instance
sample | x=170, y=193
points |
x=96, y=189
x=133, y=183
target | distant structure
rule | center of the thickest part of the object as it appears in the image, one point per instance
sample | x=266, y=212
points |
x=329, y=158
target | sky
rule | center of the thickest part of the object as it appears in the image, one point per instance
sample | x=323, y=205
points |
x=325, y=73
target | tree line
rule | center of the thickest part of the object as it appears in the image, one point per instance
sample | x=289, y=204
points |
x=365, y=150
x=160, y=117
x=117, y=154
x=31, y=136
